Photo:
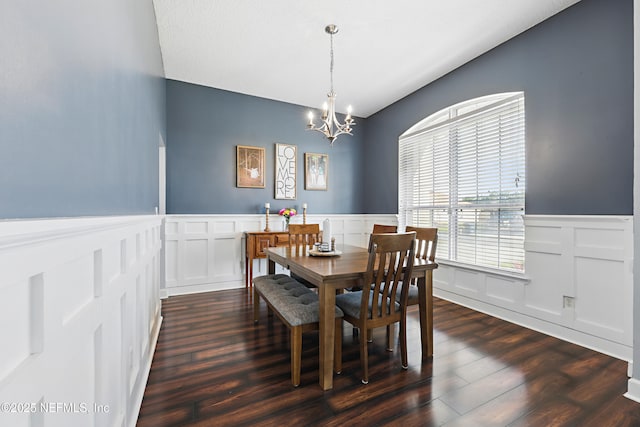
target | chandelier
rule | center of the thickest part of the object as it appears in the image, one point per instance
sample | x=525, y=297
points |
x=330, y=126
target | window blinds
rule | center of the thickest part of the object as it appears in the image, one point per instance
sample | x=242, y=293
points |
x=466, y=176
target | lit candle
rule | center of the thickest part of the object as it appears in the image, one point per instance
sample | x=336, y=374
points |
x=267, y=205
x=310, y=118
x=349, y=112
x=324, y=110
x=304, y=206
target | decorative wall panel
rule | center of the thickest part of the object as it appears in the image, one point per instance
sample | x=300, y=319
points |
x=81, y=296
x=578, y=282
x=206, y=252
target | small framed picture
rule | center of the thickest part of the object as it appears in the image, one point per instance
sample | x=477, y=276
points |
x=316, y=171
x=249, y=166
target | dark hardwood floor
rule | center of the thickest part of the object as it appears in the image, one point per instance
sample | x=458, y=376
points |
x=213, y=367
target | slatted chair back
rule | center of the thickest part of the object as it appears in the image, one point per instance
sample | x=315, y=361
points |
x=426, y=242
x=384, y=228
x=303, y=237
x=390, y=264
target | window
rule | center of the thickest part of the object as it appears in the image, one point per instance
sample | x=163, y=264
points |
x=462, y=170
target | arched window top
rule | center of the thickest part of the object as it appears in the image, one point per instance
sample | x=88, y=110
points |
x=463, y=108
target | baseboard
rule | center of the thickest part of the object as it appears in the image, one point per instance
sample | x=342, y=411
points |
x=633, y=390
x=204, y=287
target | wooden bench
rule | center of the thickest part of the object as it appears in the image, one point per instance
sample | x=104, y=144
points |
x=297, y=307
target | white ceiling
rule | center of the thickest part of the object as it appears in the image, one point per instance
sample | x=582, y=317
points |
x=385, y=50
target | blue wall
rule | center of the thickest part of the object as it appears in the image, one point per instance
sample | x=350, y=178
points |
x=82, y=108
x=205, y=125
x=576, y=70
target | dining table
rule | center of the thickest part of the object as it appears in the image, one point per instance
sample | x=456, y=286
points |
x=342, y=269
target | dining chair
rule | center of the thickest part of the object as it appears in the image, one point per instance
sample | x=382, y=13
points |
x=426, y=243
x=384, y=228
x=385, y=303
x=303, y=236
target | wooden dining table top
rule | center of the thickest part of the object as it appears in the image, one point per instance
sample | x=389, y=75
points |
x=350, y=265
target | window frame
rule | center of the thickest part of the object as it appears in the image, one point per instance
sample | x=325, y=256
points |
x=492, y=113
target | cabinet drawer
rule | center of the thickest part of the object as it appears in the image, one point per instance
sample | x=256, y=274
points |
x=262, y=242
x=281, y=239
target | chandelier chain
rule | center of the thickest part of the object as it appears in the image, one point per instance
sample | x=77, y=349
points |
x=331, y=66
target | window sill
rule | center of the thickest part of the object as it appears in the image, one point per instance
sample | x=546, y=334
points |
x=486, y=270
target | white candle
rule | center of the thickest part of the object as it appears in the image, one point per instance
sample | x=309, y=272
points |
x=267, y=205
x=304, y=206
x=326, y=231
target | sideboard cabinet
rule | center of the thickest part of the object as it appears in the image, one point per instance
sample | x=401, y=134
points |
x=256, y=242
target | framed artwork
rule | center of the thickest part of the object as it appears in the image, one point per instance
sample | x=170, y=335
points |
x=285, y=182
x=316, y=171
x=249, y=166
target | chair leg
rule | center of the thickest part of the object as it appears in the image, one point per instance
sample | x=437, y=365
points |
x=403, y=342
x=364, y=360
x=391, y=330
x=337, y=347
x=296, y=354
x=369, y=335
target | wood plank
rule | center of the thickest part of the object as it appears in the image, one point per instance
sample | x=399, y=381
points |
x=213, y=366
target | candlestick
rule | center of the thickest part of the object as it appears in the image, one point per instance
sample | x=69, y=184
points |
x=304, y=213
x=266, y=228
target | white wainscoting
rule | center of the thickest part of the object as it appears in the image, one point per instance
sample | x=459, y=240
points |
x=206, y=252
x=80, y=316
x=578, y=284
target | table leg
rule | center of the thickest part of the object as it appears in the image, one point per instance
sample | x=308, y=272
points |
x=327, y=297
x=246, y=271
x=271, y=266
x=425, y=294
x=251, y=272
x=429, y=286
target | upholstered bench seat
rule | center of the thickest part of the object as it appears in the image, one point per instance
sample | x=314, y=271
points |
x=297, y=306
